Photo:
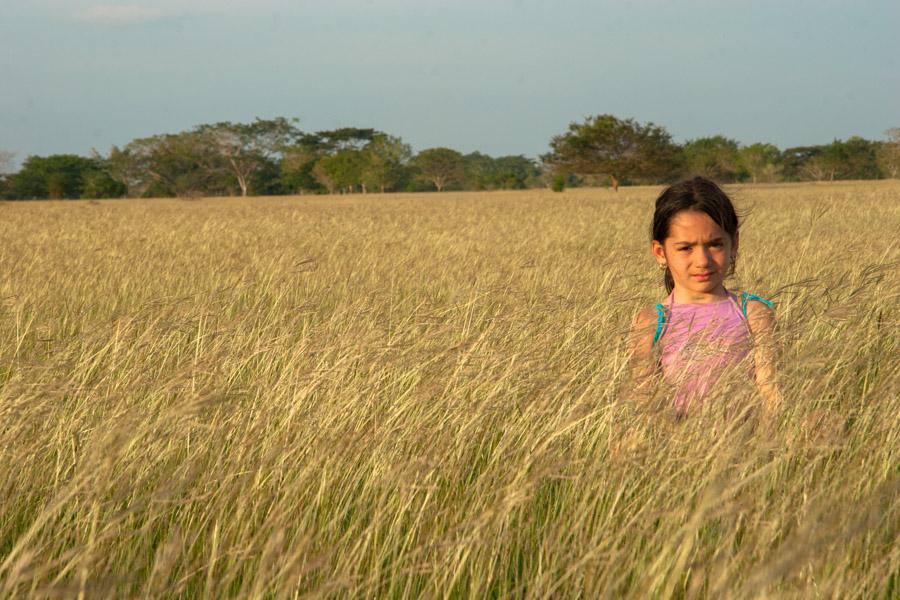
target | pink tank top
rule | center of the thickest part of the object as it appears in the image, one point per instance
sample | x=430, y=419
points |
x=698, y=341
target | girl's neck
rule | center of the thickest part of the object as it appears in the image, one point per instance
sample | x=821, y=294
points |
x=683, y=296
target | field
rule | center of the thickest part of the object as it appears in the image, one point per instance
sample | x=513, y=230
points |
x=428, y=395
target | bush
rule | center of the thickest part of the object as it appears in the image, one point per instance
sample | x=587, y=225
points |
x=99, y=184
x=559, y=183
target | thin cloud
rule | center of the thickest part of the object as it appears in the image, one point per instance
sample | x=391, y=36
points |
x=121, y=14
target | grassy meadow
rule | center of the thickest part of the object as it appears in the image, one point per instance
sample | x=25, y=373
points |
x=427, y=396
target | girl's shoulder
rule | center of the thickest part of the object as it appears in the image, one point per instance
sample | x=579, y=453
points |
x=651, y=313
x=649, y=321
x=645, y=317
x=644, y=331
x=753, y=305
x=759, y=312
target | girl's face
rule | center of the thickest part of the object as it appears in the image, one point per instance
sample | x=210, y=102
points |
x=698, y=253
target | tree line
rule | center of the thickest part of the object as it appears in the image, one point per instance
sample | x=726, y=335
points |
x=274, y=156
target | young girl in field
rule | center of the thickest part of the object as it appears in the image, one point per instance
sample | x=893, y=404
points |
x=702, y=328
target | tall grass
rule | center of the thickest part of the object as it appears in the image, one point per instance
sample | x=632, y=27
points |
x=402, y=396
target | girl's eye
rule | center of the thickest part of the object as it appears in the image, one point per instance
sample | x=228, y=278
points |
x=685, y=249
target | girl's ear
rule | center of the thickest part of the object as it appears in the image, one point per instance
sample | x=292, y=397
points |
x=658, y=252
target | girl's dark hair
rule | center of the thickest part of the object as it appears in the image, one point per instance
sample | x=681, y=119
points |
x=699, y=194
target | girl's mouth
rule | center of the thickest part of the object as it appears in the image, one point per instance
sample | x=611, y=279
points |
x=702, y=276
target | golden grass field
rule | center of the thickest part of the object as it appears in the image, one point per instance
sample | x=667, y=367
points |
x=427, y=396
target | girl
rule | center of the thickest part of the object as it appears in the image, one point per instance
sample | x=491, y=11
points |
x=701, y=328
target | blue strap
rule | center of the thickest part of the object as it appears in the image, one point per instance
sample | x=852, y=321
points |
x=660, y=320
x=745, y=297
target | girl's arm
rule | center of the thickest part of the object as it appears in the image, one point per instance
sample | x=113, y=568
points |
x=761, y=320
x=640, y=346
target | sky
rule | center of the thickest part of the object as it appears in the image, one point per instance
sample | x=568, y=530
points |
x=496, y=76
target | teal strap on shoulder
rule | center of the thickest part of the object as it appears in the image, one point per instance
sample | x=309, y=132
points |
x=745, y=297
x=661, y=318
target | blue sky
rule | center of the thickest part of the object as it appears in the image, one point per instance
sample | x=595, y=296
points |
x=499, y=76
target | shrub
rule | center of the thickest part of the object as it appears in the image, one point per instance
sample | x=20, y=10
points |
x=559, y=183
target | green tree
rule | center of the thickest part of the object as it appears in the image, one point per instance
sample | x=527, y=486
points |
x=297, y=168
x=298, y=162
x=266, y=180
x=386, y=162
x=99, y=183
x=304, y=168
x=802, y=163
x=617, y=148
x=55, y=176
x=819, y=167
x=515, y=172
x=855, y=158
x=859, y=159
x=483, y=172
x=829, y=162
x=441, y=166
x=479, y=171
x=247, y=148
x=715, y=157
x=342, y=170
x=181, y=164
x=760, y=161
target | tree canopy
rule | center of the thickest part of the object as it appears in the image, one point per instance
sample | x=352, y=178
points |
x=63, y=176
x=617, y=148
x=761, y=162
x=248, y=148
x=386, y=162
x=441, y=166
x=715, y=157
x=181, y=164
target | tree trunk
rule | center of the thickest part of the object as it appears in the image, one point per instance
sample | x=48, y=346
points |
x=615, y=182
x=382, y=188
x=240, y=175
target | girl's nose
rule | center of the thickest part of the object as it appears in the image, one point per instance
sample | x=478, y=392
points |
x=703, y=258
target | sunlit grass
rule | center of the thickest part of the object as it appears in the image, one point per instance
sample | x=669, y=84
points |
x=427, y=395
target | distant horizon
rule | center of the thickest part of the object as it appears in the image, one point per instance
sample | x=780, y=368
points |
x=500, y=77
